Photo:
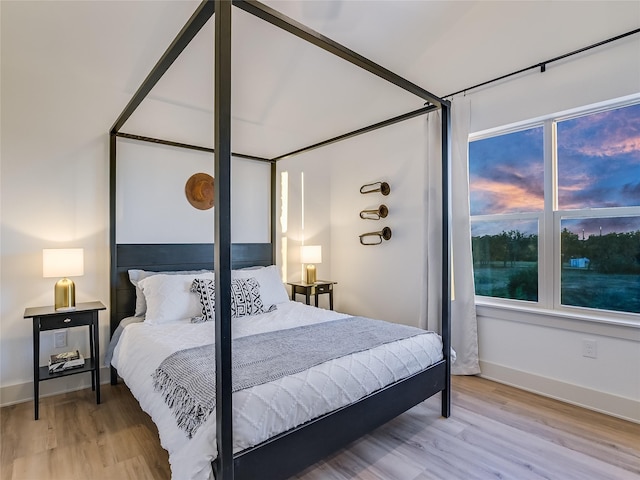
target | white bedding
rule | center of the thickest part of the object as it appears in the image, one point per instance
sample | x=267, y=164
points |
x=265, y=410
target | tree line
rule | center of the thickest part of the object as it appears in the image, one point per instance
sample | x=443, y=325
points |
x=609, y=253
x=506, y=247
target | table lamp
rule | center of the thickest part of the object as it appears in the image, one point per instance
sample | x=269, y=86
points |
x=63, y=262
x=310, y=255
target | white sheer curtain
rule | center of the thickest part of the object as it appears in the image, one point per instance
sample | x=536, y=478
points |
x=464, y=329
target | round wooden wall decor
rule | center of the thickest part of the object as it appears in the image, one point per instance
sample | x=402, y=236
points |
x=199, y=191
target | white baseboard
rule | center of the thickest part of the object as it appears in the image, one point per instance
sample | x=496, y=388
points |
x=616, y=406
x=23, y=392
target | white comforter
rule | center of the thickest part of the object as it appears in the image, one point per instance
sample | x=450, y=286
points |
x=265, y=410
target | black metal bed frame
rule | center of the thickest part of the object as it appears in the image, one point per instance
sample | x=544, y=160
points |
x=316, y=439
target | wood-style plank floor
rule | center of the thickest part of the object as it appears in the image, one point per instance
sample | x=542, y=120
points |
x=495, y=431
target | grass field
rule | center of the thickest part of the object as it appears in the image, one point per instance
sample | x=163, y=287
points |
x=585, y=288
x=492, y=279
x=580, y=287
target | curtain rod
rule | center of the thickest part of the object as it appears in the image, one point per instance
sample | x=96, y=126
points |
x=543, y=65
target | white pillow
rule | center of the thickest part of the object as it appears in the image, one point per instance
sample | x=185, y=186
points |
x=135, y=276
x=272, y=290
x=169, y=297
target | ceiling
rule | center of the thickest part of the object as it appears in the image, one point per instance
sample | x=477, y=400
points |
x=286, y=94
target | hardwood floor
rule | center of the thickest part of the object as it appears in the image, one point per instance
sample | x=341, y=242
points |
x=495, y=431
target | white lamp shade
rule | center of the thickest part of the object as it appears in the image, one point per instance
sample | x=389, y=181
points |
x=311, y=254
x=62, y=262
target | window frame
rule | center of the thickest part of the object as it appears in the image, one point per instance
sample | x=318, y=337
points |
x=550, y=219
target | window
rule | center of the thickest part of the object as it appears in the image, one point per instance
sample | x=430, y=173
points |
x=555, y=211
x=507, y=199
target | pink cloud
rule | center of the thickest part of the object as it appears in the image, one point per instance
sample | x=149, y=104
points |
x=603, y=134
x=506, y=198
x=610, y=147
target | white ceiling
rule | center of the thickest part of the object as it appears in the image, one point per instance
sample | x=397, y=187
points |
x=286, y=94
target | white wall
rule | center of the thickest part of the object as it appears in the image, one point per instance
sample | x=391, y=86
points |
x=383, y=281
x=152, y=207
x=543, y=353
x=304, y=216
x=56, y=198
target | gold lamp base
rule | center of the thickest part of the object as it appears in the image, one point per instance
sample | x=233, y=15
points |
x=65, y=295
x=311, y=274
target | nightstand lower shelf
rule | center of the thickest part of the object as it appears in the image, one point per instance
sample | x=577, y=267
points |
x=89, y=366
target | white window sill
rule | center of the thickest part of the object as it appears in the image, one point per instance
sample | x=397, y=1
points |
x=623, y=326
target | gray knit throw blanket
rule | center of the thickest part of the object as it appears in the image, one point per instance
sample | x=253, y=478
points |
x=186, y=379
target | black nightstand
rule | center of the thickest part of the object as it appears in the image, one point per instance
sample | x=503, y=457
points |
x=317, y=288
x=46, y=318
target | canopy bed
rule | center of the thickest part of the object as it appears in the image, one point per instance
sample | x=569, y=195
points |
x=292, y=450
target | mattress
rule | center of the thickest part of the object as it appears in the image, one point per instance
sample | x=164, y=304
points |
x=262, y=411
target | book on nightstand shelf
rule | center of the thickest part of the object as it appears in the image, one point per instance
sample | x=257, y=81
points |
x=64, y=361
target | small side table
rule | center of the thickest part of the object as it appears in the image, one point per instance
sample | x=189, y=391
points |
x=47, y=318
x=315, y=289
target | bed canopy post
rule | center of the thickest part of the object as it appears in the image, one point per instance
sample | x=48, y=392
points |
x=445, y=325
x=112, y=240
x=274, y=180
x=222, y=239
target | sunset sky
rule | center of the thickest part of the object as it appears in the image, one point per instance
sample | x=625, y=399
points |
x=598, y=166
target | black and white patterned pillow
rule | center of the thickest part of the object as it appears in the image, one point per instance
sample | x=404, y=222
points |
x=206, y=290
x=245, y=298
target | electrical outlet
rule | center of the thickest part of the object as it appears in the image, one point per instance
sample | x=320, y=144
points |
x=589, y=348
x=60, y=339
